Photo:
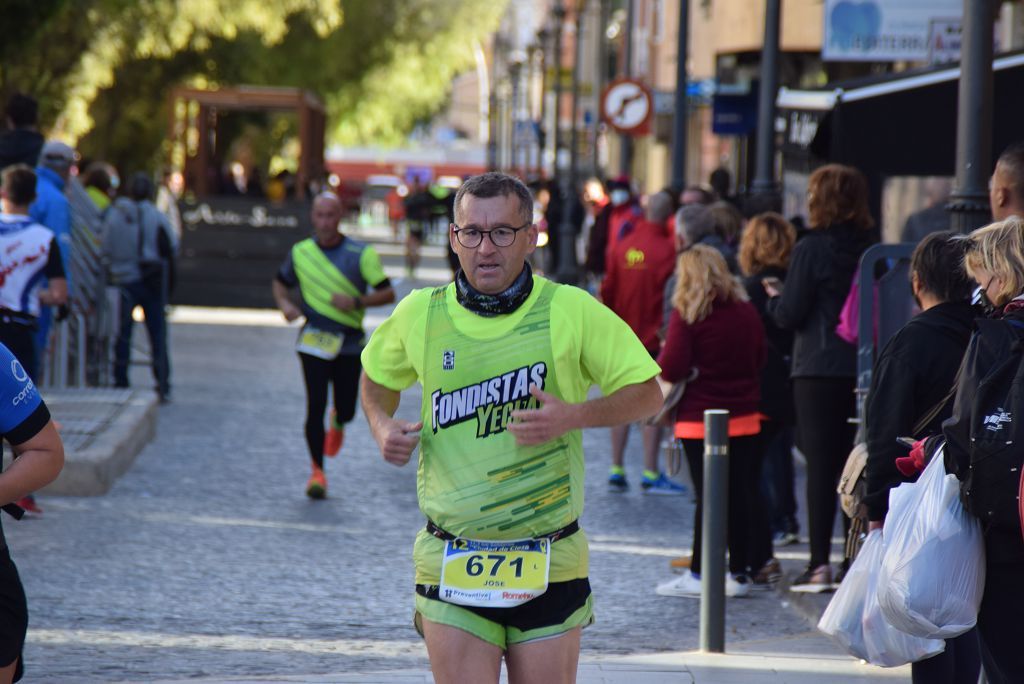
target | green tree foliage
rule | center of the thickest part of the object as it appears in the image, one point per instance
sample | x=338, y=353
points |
x=102, y=69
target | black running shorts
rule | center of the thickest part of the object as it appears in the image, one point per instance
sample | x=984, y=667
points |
x=13, y=613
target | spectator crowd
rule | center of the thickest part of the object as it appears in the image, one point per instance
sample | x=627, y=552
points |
x=755, y=314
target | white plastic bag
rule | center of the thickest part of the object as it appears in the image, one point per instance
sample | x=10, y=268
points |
x=933, y=573
x=854, y=621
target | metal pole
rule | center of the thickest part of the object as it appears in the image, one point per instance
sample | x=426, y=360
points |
x=625, y=141
x=559, y=14
x=80, y=366
x=602, y=73
x=715, y=499
x=514, y=70
x=680, y=118
x=574, y=141
x=492, y=114
x=969, y=205
x=567, y=268
x=764, y=173
x=542, y=137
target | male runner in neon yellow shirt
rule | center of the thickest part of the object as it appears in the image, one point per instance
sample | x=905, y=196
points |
x=337, y=278
x=505, y=360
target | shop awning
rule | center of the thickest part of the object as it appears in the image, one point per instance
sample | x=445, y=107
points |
x=897, y=124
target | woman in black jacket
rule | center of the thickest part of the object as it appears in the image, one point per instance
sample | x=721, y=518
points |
x=824, y=366
x=983, y=440
x=911, y=383
x=765, y=250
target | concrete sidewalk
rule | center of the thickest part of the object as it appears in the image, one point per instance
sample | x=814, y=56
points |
x=103, y=430
x=805, y=659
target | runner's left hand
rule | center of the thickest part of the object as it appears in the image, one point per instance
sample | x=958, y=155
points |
x=343, y=302
x=535, y=426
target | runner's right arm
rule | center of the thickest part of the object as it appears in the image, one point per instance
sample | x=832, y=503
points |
x=397, y=439
x=25, y=423
x=284, y=302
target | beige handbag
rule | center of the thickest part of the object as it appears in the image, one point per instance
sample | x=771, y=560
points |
x=851, y=482
x=672, y=393
x=852, y=485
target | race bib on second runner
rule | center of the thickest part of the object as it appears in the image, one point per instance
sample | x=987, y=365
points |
x=319, y=343
x=494, y=574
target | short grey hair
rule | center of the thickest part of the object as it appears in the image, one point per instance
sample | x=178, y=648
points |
x=659, y=207
x=694, y=222
x=1011, y=161
x=495, y=184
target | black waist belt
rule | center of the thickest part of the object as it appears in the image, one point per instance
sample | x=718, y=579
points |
x=14, y=510
x=7, y=316
x=567, y=531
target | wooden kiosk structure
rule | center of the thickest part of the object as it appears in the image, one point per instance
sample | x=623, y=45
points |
x=231, y=245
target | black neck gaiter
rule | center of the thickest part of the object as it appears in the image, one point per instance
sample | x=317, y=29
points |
x=494, y=305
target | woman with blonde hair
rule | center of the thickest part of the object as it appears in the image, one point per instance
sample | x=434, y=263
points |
x=714, y=330
x=824, y=366
x=981, y=435
x=765, y=249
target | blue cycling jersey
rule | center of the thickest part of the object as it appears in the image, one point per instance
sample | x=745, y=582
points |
x=19, y=397
x=22, y=411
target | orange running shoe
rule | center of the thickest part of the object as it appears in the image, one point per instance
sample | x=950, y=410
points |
x=334, y=438
x=316, y=487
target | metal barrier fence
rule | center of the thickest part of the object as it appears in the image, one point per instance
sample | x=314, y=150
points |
x=80, y=347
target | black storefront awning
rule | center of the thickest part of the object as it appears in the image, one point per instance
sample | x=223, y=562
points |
x=897, y=125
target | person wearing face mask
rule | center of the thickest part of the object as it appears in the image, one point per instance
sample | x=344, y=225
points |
x=617, y=218
x=980, y=446
x=910, y=384
x=505, y=359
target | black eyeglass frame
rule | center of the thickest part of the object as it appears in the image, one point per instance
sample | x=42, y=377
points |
x=515, y=231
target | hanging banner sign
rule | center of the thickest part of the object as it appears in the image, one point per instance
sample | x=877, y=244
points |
x=887, y=30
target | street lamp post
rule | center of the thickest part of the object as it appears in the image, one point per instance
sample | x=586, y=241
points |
x=679, y=122
x=543, y=37
x=764, y=187
x=566, y=265
x=968, y=205
x=626, y=142
x=602, y=74
x=514, y=72
x=574, y=141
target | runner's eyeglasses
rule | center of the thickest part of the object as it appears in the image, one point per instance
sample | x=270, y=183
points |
x=501, y=236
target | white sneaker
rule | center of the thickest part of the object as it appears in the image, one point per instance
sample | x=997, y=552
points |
x=688, y=586
x=737, y=586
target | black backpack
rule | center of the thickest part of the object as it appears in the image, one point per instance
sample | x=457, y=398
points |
x=991, y=485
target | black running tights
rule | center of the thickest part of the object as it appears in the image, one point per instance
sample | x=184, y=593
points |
x=343, y=373
x=744, y=530
x=825, y=437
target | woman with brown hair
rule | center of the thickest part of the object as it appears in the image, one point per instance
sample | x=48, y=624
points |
x=824, y=367
x=714, y=330
x=765, y=251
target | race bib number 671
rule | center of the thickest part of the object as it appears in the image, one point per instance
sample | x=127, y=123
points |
x=494, y=574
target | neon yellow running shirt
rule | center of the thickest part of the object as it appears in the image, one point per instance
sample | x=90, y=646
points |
x=472, y=479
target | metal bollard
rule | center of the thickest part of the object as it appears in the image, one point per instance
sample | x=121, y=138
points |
x=715, y=508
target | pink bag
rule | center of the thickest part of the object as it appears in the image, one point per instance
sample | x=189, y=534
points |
x=849, y=315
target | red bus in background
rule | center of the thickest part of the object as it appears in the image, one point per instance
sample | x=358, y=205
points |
x=373, y=182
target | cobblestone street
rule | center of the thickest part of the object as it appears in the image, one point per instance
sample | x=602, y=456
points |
x=206, y=558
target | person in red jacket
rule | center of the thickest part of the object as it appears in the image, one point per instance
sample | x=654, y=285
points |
x=638, y=266
x=714, y=329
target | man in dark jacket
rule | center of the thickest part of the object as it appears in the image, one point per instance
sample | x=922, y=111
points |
x=21, y=143
x=911, y=381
